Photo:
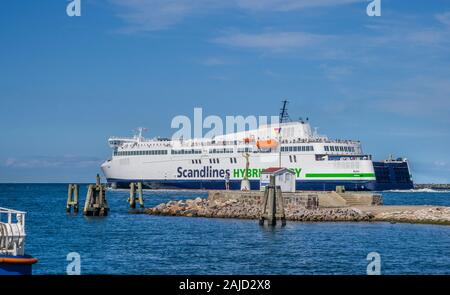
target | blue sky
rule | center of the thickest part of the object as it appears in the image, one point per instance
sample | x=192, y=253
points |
x=68, y=83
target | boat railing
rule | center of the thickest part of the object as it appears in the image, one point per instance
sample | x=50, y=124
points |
x=12, y=232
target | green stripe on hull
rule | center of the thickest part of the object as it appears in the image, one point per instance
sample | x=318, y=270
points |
x=338, y=175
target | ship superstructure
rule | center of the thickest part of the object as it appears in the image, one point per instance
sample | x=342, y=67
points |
x=319, y=163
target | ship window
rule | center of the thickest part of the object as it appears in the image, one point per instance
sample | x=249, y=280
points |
x=295, y=158
x=290, y=149
x=218, y=161
x=290, y=158
x=326, y=148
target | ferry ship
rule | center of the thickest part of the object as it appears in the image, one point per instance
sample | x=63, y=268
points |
x=319, y=163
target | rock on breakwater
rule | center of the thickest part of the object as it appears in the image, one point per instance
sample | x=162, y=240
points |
x=234, y=208
x=245, y=208
x=415, y=214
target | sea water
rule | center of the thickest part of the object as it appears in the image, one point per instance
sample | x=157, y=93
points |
x=124, y=243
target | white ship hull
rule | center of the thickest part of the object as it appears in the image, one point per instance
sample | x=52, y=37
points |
x=207, y=171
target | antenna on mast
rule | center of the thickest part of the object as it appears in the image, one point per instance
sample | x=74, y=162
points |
x=284, y=117
x=140, y=131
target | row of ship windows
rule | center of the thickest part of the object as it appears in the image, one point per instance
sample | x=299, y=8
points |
x=332, y=148
x=211, y=151
x=178, y=152
x=185, y=152
x=213, y=161
x=303, y=148
x=141, y=153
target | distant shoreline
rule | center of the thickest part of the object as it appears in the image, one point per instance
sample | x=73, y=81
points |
x=435, y=186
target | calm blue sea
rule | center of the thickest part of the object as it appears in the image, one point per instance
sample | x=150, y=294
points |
x=123, y=243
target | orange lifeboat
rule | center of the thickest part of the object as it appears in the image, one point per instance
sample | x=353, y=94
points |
x=249, y=139
x=268, y=143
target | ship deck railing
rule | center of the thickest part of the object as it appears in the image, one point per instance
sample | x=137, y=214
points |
x=12, y=232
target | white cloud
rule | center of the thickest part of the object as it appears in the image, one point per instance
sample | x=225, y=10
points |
x=213, y=61
x=152, y=15
x=271, y=41
x=444, y=18
x=335, y=73
x=419, y=96
x=52, y=162
x=289, y=5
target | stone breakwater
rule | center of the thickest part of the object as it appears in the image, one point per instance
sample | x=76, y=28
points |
x=233, y=208
x=422, y=214
x=243, y=209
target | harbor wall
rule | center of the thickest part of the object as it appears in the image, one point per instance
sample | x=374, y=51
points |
x=309, y=200
x=306, y=200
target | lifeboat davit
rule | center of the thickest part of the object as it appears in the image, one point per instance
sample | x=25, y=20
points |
x=268, y=143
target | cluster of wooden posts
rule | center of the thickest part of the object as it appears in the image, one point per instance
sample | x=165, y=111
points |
x=96, y=203
x=273, y=205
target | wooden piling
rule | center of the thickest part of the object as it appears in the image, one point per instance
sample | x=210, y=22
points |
x=141, y=195
x=132, y=198
x=273, y=205
x=72, y=198
x=96, y=203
